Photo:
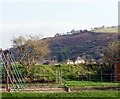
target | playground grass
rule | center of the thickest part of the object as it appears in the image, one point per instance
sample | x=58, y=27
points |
x=91, y=84
x=60, y=94
x=76, y=84
x=72, y=84
x=46, y=95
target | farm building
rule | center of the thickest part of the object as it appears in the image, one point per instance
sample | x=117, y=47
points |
x=79, y=60
x=69, y=62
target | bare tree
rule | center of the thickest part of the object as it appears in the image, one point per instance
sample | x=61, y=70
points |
x=30, y=49
x=112, y=52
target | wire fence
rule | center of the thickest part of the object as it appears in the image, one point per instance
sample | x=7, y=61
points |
x=97, y=77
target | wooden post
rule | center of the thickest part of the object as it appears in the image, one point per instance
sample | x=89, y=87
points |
x=117, y=70
x=101, y=76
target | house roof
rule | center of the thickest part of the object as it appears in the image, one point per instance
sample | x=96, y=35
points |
x=79, y=58
x=68, y=60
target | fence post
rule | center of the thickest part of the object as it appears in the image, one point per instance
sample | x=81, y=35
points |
x=101, y=76
x=111, y=77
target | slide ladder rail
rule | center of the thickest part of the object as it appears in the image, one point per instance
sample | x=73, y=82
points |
x=7, y=71
x=12, y=71
x=17, y=78
x=17, y=71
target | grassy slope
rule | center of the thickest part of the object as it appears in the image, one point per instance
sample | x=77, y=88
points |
x=49, y=71
x=64, y=94
x=107, y=30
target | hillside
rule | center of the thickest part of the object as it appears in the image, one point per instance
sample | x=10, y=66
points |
x=85, y=44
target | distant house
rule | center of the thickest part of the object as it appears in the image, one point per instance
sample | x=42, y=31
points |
x=47, y=62
x=100, y=61
x=69, y=61
x=79, y=60
x=93, y=61
x=50, y=62
x=90, y=61
x=53, y=62
x=39, y=63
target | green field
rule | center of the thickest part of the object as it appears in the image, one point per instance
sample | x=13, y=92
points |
x=76, y=84
x=90, y=83
x=59, y=95
x=73, y=84
x=64, y=94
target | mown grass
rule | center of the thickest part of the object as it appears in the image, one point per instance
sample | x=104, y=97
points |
x=61, y=94
x=90, y=83
x=106, y=94
x=73, y=84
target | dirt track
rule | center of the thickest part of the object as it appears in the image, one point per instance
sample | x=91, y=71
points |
x=38, y=90
x=78, y=89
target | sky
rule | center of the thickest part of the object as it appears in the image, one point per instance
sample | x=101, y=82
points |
x=48, y=17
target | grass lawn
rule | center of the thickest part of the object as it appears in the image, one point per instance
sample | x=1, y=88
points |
x=90, y=83
x=64, y=94
x=75, y=84
x=59, y=95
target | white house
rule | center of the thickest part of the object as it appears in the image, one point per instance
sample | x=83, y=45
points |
x=79, y=60
x=69, y=62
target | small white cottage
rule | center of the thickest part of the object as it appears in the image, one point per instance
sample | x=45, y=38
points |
x=69, y=62
x=79, y=60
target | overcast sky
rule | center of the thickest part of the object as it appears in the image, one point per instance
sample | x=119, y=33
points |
x=48, y=17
